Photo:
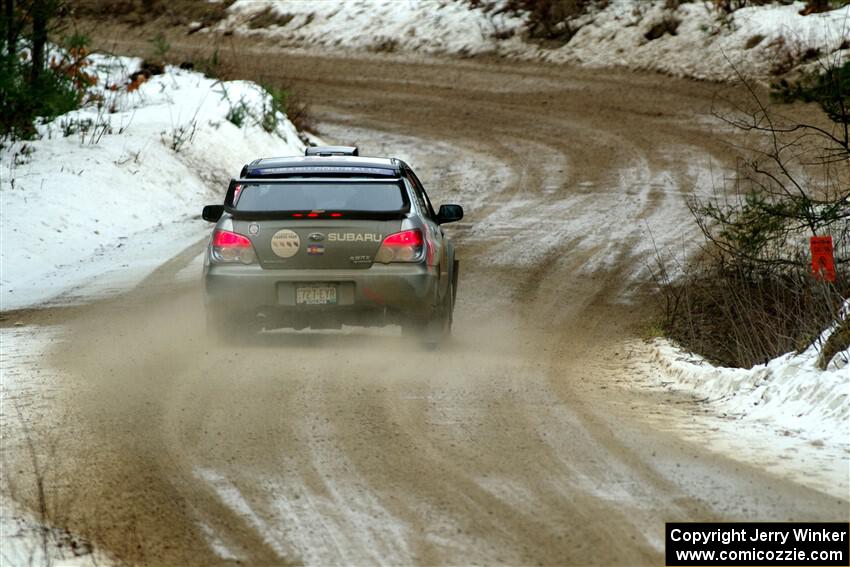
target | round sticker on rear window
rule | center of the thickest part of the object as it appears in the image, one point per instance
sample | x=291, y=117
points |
x=285, y=243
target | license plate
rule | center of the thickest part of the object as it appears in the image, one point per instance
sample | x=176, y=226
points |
x=315, y=295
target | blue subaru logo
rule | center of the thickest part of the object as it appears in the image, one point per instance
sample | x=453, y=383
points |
x=317, y=236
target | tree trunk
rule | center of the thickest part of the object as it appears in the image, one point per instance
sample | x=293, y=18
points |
x=40, y=15
x=9, y=25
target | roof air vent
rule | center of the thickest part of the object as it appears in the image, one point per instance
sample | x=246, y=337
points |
x=327, y=151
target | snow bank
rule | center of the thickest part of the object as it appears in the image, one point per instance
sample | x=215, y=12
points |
x=695, y=39
x=119, y=184
x=786, y=417
x=427, y=26
x=789, y=394
x=757, y=40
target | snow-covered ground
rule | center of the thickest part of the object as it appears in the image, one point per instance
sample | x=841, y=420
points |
x=693, y=40
x=787, y=415
x=119, y=186
x=757, y=40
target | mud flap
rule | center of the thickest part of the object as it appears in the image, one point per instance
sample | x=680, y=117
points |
x=455, y=272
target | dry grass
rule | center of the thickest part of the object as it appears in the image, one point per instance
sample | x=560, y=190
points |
x=741, y=315
x=268, y=17
x=550, y=22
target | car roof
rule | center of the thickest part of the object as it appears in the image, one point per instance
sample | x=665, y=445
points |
x=336, y=165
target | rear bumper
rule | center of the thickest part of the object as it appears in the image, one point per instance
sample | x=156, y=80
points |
x=395, y=289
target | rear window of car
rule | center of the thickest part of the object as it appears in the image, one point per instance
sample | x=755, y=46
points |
x=319, y=196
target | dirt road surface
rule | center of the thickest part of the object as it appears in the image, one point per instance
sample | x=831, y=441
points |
x=521, y=442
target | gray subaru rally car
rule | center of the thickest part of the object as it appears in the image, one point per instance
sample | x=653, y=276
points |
x=326, y=239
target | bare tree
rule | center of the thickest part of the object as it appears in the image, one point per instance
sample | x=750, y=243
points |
x=751, y=294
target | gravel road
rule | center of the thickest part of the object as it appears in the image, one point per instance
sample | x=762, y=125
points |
x=521, y=442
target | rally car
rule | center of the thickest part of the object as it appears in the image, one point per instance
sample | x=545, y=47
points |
x=327, y=239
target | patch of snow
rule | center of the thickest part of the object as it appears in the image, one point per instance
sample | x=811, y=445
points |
x=216, y=544
x=599, y=228
x=117, y=188
x=233, y=498
x=363, y=528
x=343, y=523
x=698, y=41
x=789, y=392
x=786, y=406
x=427, y=26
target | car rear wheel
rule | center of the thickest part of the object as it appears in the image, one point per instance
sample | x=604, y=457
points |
x=439, y=327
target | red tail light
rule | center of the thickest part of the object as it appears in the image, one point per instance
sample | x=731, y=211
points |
x=406, y=238
x=223, y=238
x=406, y=246
x=232, y=247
